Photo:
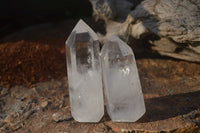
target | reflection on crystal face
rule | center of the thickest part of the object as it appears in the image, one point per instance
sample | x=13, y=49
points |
x=126, y=71
x=84, y=74
x=124, y=99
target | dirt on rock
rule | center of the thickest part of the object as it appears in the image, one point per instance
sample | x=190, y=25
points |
x=34, y=88
x=26, y=63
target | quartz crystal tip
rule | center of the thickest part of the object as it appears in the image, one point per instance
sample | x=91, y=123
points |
x=82, y=27
x=84, y=74
x=123, y=93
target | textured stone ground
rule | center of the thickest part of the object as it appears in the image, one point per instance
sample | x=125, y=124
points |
x=41, y=104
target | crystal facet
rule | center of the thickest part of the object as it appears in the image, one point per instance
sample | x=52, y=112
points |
x=124, y=98
x=84, y=74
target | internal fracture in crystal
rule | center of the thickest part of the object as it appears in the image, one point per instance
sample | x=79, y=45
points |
x=84, y=74
x=124, y=98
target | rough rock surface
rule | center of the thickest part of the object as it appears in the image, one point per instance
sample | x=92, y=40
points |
x=175, y=23
x=171, y=88
x=171, y=95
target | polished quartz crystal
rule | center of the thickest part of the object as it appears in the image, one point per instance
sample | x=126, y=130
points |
x=124, y=98
x=84, y=74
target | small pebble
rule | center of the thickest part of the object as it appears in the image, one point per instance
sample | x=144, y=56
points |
x=57, y=117
x=44, y=104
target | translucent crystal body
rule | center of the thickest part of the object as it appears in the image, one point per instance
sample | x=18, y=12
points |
x=84, y=74
x=124, y=98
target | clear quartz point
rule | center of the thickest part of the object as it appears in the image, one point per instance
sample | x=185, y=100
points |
x=124, y=98
x=84, y=74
